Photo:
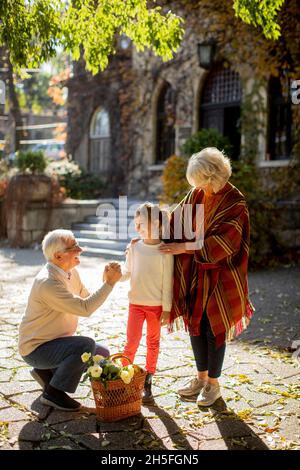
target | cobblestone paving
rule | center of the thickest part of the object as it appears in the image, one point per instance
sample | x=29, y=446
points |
x=260, y=382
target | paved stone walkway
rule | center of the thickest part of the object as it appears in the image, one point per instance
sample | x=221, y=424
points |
x=260, y=383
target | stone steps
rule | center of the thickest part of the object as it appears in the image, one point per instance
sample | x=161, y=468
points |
x=96, y=234
x=103, y=234
x=107, y=244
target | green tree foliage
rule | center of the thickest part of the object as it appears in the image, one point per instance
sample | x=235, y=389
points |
x=32, y=30
x=33, y=93
x=260, y=13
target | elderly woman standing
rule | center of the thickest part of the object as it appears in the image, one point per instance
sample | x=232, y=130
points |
x=46, y=334
x=210, y=281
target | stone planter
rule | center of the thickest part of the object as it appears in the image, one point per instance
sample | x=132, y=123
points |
x=30, y=188
x=23, y=191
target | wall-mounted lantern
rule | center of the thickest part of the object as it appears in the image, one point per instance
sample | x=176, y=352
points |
x=206, y=54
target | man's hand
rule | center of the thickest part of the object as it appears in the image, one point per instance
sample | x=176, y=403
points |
x=112, y=273
x=165, y=318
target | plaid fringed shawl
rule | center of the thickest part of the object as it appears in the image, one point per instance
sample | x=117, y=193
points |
x=214, y=278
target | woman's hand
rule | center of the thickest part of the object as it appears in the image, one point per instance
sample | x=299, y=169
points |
x=172, y=248
x=165, y=318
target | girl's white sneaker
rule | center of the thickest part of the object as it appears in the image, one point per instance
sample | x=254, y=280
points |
x=209, y=394
x=192, y=387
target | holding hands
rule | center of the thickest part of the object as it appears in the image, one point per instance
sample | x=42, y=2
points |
x=112, y=273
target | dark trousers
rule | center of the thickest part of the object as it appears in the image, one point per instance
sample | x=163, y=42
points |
x=207, y=355
x=64, y=355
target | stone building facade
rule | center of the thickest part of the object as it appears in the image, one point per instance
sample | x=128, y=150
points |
x=126, y=121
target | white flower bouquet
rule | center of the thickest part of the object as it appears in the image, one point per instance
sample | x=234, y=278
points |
x=104, y=369
x=117, y=388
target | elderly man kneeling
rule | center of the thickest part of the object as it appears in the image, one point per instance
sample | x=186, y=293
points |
x=56, y=300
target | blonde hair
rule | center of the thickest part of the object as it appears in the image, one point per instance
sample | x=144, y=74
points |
x=152, y=213
x=55, y=241
x=210, y=166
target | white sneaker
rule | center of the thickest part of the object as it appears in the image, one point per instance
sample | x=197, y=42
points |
x=193, y=387
x=209, y=395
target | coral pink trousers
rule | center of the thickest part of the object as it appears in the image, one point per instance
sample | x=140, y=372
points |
x=138, y=314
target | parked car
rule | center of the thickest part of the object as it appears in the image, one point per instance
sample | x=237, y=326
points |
x=52, y=150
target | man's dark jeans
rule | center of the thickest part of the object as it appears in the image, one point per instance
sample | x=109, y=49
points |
x=64, y=355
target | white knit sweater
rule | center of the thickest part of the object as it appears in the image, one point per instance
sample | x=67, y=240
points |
x=54, y=305
x=151, y=275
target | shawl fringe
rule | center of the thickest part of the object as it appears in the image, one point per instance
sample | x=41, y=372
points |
x=242, y=324
x=182, y=323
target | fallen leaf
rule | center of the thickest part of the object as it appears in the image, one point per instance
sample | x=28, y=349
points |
x=270, y=430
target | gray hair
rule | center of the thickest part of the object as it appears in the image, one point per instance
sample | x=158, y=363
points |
x=210, y=166
x=55, y=241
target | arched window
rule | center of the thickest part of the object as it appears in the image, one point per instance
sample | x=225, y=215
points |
x=280, y=122
x=100, y=141
x=165, y=123
x=220, y=106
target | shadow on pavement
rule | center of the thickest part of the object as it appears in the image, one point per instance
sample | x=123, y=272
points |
x=236, y=434
x=153, y=429
x=172, y=428
x=79, y=431
x=59, y=430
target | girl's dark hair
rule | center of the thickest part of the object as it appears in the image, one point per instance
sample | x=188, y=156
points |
x=153, y=212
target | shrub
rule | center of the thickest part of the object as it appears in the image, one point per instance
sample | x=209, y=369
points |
x=85, y=186
x=77, y=183
x=206, y=138
x=32, y=162
x=246, y=179
x=175, y=185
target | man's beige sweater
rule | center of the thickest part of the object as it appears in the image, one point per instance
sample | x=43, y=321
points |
x=54, y=305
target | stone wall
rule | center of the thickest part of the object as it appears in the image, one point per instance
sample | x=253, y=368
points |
x=111, y=90
x=38, y=219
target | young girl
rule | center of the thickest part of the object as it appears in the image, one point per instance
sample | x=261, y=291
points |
x=151, y=288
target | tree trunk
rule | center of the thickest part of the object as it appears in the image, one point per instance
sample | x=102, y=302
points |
x=14, y=106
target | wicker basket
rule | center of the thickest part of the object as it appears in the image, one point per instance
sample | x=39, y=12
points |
x=119, y=400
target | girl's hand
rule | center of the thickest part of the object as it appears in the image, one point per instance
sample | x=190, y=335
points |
x=172, y=248
x=165, y=318
x=132, y=242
